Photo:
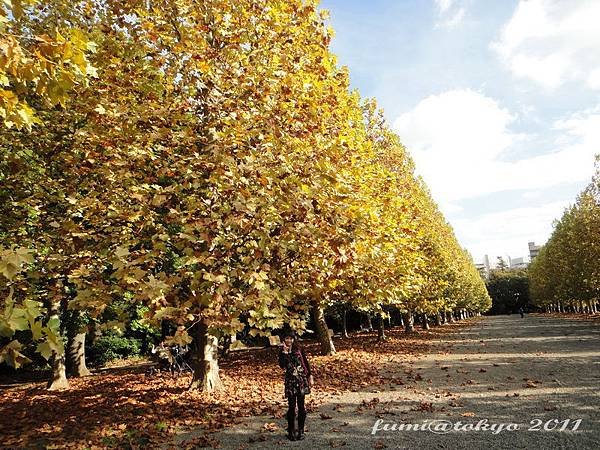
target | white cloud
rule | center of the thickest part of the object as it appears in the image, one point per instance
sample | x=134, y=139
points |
x=448, y=208
x=457, y=137
x=583, y=126
x=508, y=232
x=455, y=20
x=455, y=123
x=530, y=195
x=444, y=5
x=552, y=42
x=450, y=14
x=593, y=79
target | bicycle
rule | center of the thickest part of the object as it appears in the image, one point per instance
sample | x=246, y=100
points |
x=171, y=358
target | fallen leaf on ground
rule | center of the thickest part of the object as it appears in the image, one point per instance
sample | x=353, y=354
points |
x=270, y=427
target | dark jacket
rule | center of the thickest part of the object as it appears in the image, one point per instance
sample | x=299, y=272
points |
x=285, y=359
x=297, y=372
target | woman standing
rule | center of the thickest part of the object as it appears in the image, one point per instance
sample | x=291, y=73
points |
x=298, y=381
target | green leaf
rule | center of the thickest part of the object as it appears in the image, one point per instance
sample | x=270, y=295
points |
x=11, y=355
x=44, y=349
x=36, y=329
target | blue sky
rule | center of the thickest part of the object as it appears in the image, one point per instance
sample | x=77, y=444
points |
x=497, y=101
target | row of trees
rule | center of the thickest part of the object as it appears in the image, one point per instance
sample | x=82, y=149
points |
x=508, y=289
x=216, y=169
x=566, y=273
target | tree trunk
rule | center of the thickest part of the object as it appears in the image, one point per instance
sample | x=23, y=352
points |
x=381, y=329
x=204, y=362
x=425, y=323
x=438, y=319
x=450, y=316
x=327, y=347
x=58, y=380
x=369, y=322
x=76, y=334
x=345, y=323
x=409, y=324
x=76, y=366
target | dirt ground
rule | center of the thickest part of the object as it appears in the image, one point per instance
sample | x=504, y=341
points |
x=531, y=376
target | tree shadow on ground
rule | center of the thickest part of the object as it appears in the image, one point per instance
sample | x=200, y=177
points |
x=127, y=408
x=503, y=371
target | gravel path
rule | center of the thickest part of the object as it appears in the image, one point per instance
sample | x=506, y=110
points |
x=524, y=373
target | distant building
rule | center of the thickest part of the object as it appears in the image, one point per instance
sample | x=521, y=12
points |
x=533, y=250
x=518, y=263
x=484, y=267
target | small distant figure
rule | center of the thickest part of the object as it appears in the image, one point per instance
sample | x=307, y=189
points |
x=521, y=312
x=298, y=382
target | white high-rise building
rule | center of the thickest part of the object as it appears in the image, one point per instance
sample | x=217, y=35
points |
x=533, y=250
x=484, y=267
x=518, y=263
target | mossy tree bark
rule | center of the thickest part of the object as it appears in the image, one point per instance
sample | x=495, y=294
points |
x=204, y=361
x=381, y=329
x=327, y=347
x=76, y=335
x=409, y=322
x=58, y=380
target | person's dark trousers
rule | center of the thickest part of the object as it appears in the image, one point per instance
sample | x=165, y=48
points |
x=291, y=415
x=301, y=416
x=291, y=418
